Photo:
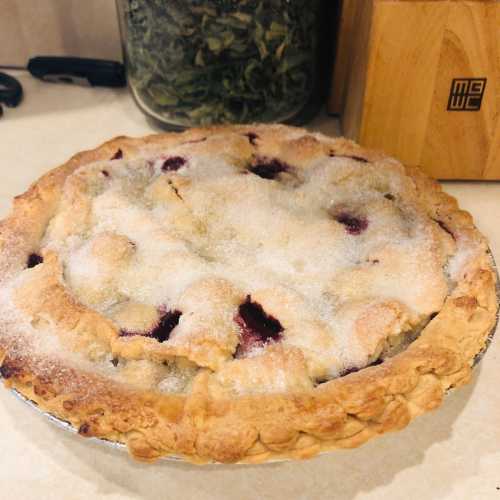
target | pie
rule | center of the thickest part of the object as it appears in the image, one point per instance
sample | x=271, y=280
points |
x=240, y=293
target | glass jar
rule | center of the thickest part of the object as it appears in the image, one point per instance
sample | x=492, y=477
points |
x=202, y=62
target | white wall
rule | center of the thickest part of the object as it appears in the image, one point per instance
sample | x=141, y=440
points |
x=85, y=28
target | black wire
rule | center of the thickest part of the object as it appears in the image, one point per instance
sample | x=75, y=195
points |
x=11, y=91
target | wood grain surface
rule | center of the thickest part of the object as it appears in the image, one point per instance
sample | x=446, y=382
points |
x=87, y=28
x=403, y=63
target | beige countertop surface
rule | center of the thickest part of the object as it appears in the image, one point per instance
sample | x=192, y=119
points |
x=452, y=453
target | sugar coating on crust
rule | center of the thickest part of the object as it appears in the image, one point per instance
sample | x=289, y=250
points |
x=201, y=237
x=233, y=268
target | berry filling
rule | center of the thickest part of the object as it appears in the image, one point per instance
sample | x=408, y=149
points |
x=167, y=323
x=353, y=225
x=256, y=327
x=9, y=371
x=347, y=371
x=333, y=154
x=444, y=227
x=161, y=332
x=33, y=260
x=268, y=168
x=118, y=155
x=173, y=163
x=389, y=197
x=194, y=141
x=84, y=429
x=105, y=173
x=252, y=138
x=358, y=158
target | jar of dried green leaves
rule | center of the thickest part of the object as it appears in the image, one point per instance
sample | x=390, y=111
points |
x=201, y=62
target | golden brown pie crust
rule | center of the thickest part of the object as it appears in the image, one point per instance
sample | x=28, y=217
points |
x=206, y=425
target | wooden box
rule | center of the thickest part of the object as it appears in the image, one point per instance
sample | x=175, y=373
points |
x=420, y=79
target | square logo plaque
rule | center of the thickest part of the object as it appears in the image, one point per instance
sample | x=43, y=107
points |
x=466, y=94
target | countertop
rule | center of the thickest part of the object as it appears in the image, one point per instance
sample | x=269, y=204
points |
x=452, y=453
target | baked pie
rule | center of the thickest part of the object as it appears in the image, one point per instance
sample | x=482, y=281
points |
x=239, y=293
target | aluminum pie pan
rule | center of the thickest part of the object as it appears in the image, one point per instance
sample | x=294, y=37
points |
x=67, y=426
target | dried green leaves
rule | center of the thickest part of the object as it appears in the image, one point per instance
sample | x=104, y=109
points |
x=197, y=62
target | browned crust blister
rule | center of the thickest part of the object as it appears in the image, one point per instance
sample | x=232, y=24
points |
x=342, y=413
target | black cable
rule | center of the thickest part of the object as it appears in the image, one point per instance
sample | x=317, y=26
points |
x=11, y=92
